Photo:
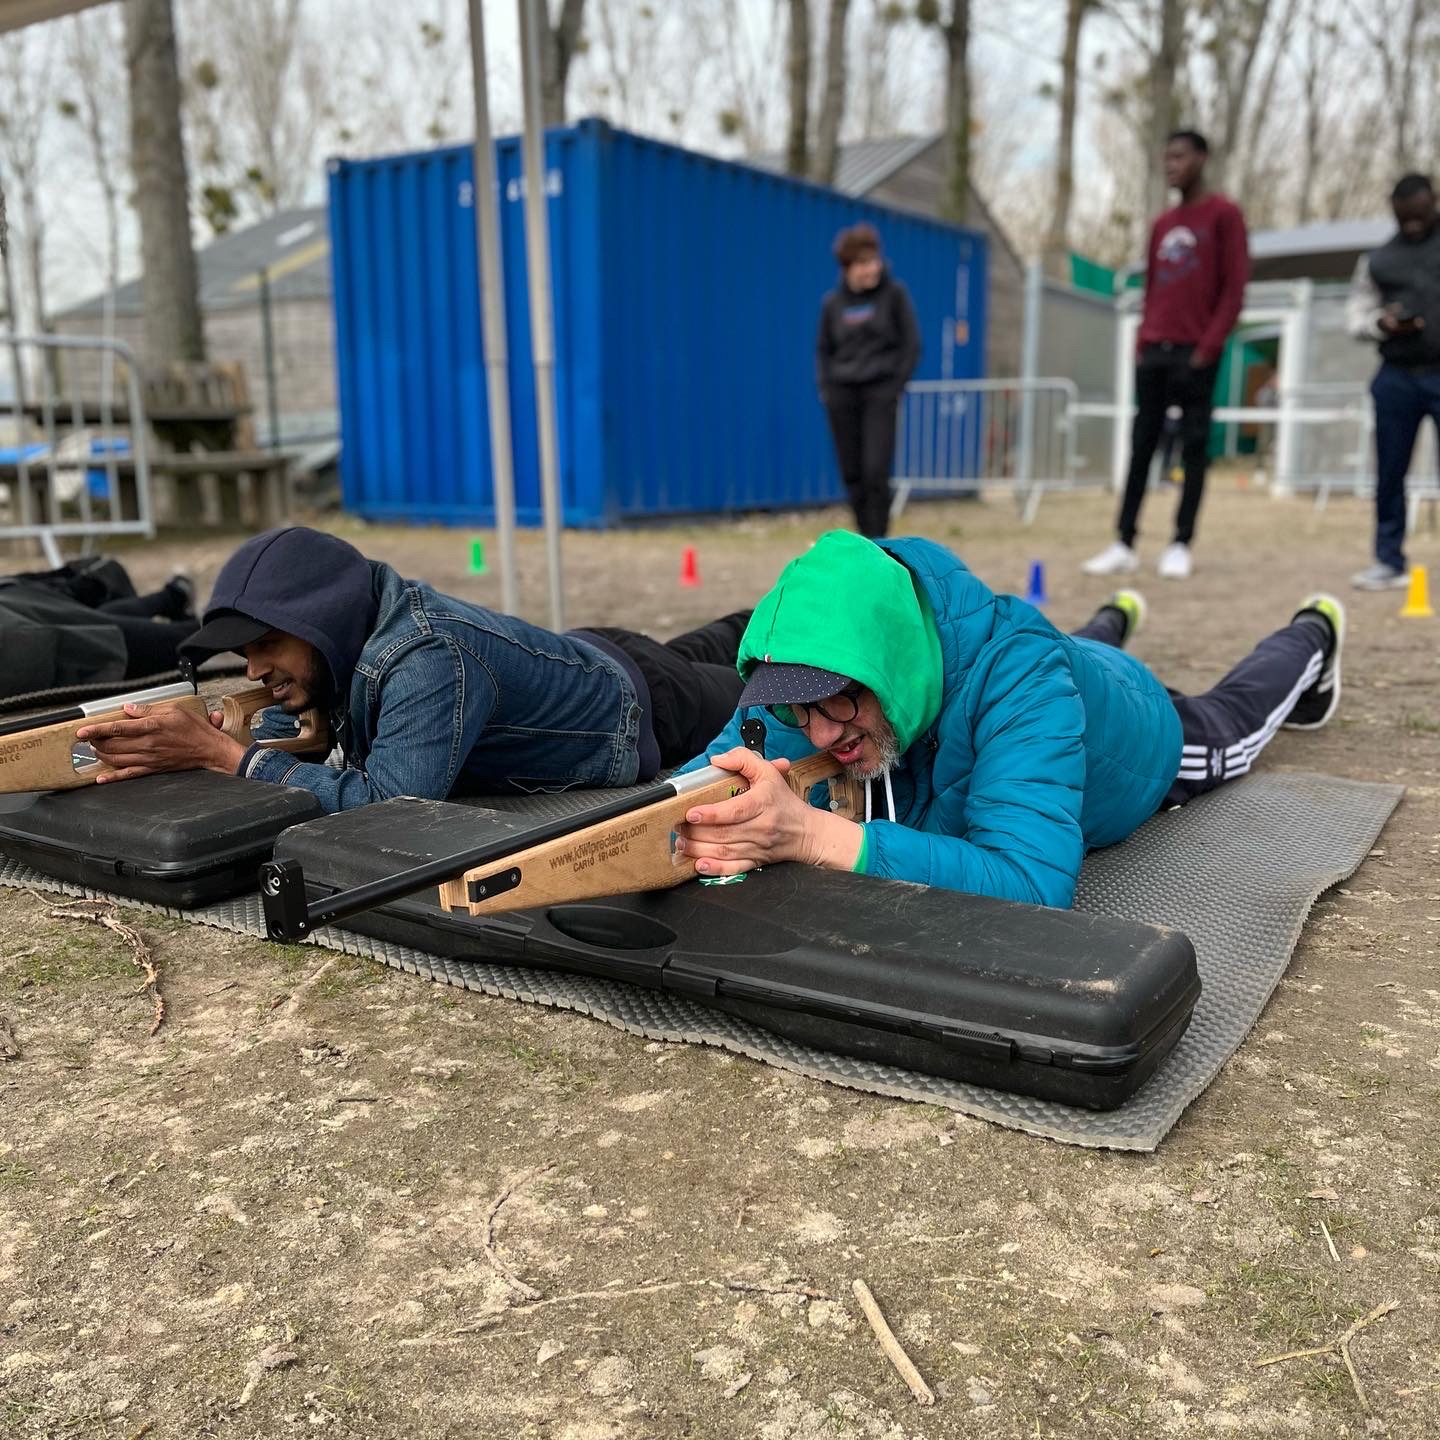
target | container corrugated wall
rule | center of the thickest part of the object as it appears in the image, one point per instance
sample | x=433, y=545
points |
x=686, y=298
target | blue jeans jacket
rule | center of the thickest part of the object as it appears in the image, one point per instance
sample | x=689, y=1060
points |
x=452, y=698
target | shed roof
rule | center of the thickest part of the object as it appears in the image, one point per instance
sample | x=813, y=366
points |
x=1325, y=237
x=863, y=164
x=293, y=245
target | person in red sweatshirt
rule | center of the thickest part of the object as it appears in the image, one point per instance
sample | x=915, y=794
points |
x=1196, y=269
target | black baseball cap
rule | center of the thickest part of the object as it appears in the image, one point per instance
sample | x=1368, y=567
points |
x=225, y=630
x=776, y=684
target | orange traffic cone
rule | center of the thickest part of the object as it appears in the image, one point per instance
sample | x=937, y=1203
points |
x=1417, y=598
x=689, y=569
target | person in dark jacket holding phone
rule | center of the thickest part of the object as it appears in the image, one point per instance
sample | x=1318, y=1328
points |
x=1395, y=300
x=866, y=350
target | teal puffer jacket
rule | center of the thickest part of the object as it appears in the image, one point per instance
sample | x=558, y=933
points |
x=1044, y=746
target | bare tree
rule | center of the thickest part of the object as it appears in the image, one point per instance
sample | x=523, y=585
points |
x=955, y=31
x=1164, y=63
x=257, y=100
x=98, y=108
x=643, y=66
x=1392, y=30
x=1231, y=43
x=26, y=63
x=1247, y=154
x=797, y=88
x=173, y=329
x=746, y=73
x=883, y=57
x=1057, y=242
x=832, y=102
x=277, y=83
x=559, y=44
x=1322, y=39
x=401, y=85
x=1111, y=215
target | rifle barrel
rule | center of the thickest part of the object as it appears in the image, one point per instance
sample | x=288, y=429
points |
x=288, y=916
x=87, y=708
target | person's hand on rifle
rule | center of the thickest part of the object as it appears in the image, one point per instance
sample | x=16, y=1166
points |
x=158, y=738
x=765, y=825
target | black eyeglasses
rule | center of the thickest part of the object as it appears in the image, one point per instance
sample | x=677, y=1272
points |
x=838, y=709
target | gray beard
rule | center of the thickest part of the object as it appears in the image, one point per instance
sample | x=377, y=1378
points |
x=887, y=749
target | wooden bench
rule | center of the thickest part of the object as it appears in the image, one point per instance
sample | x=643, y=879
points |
x=203, y=425
x=205, y=466
x=198, y=487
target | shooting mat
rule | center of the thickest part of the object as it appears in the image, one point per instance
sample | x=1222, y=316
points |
x=1237, y=871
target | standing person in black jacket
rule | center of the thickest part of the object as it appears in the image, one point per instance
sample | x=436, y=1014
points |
x=867, y=348
x=1395, y=300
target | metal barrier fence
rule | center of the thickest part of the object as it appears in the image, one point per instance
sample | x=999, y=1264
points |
x=75, y=467
x=958, y=436
x=1338, y=470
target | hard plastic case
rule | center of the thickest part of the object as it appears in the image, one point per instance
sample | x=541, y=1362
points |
x=1057, y=1004
x=186, y=839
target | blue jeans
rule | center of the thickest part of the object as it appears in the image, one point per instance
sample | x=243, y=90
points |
x=1403, y=398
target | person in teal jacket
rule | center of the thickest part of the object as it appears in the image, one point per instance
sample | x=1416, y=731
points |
x=994, y=749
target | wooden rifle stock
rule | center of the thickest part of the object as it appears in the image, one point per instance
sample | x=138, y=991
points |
x=43, y=754
x=620, y=856
x=576, y=860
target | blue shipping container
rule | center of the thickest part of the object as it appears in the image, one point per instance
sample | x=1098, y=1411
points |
x=686, y=299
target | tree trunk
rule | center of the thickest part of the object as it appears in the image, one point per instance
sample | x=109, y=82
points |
x=1164, y=64
x=1246, y=37
x=832, y=105
x=1261, y=110
x=558, y=47
x=797, y=79
x=955, y=198
x=12, y=318
x=1402, y=99
x=157, y=155
x=1057, y=243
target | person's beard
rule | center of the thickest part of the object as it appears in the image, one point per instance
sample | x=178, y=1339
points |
x=319, y=690
x=887, y=753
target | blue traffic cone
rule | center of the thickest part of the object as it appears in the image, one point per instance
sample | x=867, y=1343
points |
x=1035, y=590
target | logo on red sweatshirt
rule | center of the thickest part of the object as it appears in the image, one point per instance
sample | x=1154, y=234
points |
x=1176, y=253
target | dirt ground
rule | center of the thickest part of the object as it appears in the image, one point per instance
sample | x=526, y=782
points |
x=271, y=1218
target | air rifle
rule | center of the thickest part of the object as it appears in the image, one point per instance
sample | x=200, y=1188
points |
x=621, y=846
x=42, y=753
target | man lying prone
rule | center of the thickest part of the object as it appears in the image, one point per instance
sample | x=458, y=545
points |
x=994, y=749
x=427, y=694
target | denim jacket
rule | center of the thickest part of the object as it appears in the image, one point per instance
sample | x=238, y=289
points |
x=449, y=698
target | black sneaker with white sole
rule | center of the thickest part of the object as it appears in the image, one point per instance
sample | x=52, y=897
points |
x=1315, y=707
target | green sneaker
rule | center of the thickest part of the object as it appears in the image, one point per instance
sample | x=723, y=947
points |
x=1131, y=604
x=1315, y=707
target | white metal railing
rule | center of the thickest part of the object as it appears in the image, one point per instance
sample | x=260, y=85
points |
x=959, y=436
x=1348, y=466
x=64, y=473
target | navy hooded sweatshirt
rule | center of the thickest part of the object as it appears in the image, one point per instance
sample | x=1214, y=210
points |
x=431, y=695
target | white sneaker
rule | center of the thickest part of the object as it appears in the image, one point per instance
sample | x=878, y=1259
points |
x=1174, y=562
x=1115, y=559
x=1381, y=576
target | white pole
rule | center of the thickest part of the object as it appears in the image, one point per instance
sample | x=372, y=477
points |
x=1125, y=334
x=542, y=336
x=1294, y=370
x=1029, y=370
x=492, y=317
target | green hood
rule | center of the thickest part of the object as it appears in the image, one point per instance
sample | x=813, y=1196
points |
x=848, y=606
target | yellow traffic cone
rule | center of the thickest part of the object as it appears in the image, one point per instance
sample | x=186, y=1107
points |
x=1417, y=598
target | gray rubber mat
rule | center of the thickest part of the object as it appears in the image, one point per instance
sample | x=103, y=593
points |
x=1237, y=871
